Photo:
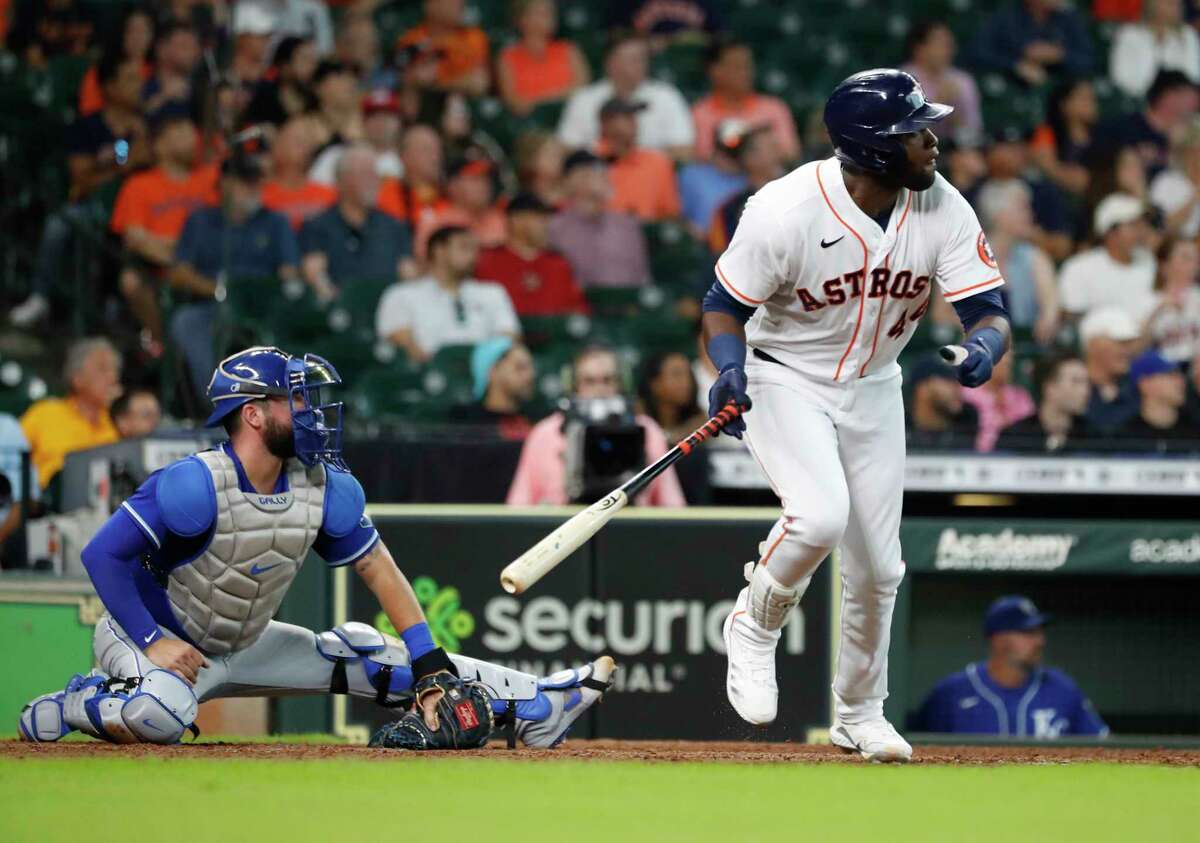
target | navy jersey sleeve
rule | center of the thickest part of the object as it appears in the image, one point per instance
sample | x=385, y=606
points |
x=346, y=534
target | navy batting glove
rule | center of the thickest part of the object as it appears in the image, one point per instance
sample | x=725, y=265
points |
x=730, y=386
x=983, y=349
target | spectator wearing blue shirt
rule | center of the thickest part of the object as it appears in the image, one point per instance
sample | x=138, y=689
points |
x=1034, y=39
x=704, y=185
x=13, y=446
x=353, y=240
x=239, y=240
x=1011, y=693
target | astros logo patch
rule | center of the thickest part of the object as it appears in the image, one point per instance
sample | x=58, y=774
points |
x=985, y=250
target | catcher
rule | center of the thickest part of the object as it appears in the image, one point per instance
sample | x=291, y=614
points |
x=193, y=567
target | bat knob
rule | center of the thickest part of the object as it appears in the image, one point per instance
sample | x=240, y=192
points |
x=955, y=355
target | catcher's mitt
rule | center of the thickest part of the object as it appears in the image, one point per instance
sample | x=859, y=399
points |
x=463, y=717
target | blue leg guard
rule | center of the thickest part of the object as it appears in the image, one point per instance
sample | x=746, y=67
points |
x=563, y=697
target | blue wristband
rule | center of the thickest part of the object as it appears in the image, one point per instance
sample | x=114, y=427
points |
x=727, y=351
x=991, y=340
x=418, y=640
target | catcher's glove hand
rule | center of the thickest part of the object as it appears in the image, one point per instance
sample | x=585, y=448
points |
x=448, y=714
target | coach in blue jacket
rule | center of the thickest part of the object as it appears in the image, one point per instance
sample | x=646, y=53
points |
x=1011, y=693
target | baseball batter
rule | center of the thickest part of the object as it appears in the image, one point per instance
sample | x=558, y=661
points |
x=193, y=567
x=830, y=270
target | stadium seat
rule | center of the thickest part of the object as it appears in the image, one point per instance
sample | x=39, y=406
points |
x=679, y=263
x=359, y=299
x=383, y=392
x=541, y=331
x=447, y=376
x=19, y=387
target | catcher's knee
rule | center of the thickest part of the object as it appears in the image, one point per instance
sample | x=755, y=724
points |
x=384, y=662
x=156, y=708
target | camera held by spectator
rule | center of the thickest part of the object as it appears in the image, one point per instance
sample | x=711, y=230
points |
x=605, y=446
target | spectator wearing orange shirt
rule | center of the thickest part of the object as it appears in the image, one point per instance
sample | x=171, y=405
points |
x=731, y=71
x=420, y=191
x=151, y=209
x=289, y=190
x=471, y=204
x=643, y=180
x=539, y=67
x=137, y=36
x=458, y=53
x=538, y=280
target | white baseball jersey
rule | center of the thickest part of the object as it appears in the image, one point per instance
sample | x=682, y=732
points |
x=839, y=298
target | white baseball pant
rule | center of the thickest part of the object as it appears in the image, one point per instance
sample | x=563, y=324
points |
x=283, y=661
x=834, y=454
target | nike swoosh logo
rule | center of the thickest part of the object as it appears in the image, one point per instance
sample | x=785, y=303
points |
x=825, y=245
x=150, y=725
x=255, y=570
x=146, y=640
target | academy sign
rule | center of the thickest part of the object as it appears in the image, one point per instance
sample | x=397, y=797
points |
x=1165, y=551
x=1005, y=550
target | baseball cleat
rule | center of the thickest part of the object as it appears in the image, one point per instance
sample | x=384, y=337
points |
x=750, y=678
x=875, y=740
x=563, y=697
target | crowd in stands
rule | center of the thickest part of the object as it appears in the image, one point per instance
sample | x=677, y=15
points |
x=466, y=171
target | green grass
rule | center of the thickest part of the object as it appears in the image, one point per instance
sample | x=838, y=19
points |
x=422, y=798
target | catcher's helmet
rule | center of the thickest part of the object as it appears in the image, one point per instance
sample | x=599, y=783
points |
x=269, y=372
x=866, y=111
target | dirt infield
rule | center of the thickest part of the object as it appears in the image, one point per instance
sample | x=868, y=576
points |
x=610, y=750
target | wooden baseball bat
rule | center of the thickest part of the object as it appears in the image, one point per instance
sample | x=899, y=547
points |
x=544, y=556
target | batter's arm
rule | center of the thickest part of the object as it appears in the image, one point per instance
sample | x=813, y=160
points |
x=996, y=323
x=714, y=323
x=989, y=337
x=724, y=332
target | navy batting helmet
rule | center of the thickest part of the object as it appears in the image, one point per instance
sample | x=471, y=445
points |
x=866, y=112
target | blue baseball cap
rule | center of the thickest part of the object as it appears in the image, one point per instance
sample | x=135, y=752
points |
x=1150, y=363
x=1013, y=613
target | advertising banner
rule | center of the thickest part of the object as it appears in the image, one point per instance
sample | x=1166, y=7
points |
x=1135, y=548
x=651, y=592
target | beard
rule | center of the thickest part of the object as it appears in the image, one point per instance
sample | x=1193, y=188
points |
x=279, y=440
x=918, y=180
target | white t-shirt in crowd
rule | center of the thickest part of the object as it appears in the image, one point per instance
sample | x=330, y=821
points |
x=666, y=121
x=1176, y=330
x=1094, y=279
x=479, y=311
x=1136, y=57
x=324, y=170
x=1172, y=190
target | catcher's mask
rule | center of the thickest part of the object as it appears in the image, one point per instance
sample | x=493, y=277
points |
x=306, y=382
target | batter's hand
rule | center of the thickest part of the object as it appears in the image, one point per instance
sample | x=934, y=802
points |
x=177, y=656
x=730, y=386
x=972, y=361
